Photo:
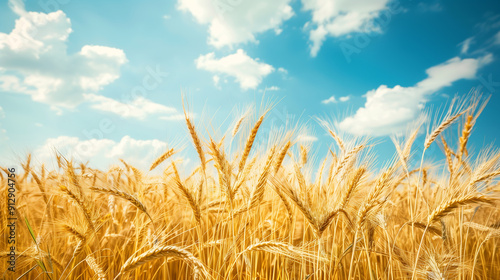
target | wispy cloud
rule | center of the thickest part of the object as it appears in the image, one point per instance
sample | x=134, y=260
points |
x=103, y=152
x=177, y=117
x=497, y=38
x=430, y=7
x=282, y=70
x=332, y=99
x=306, y=138
x=466, y=45
x=139, y=108
x=271, y=88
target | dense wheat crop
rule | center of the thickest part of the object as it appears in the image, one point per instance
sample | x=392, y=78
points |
x=266, y=211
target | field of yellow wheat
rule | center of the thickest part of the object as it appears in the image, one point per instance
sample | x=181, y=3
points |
x=265, y=211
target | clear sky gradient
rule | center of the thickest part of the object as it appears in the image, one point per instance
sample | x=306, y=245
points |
x=105, y=77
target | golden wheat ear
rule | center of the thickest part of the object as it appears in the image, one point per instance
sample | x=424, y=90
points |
x=286, y=188
x=81, y=237
x=82, y=204
x=124, y=195
x=284, y=249
x=162, y=158
x=238, y=125
x=94, y=265
x=188, y=195
x=250, y=141
x=449, y=205
x=170, y=253
x=448, y=121
x=194, y=137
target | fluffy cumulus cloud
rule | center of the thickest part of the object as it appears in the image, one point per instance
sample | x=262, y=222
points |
x=138, y=108
x=103, y=152
x=388, y=110
x=247, y=71
x=341, y=17
x=34, y=60
x=237, y=21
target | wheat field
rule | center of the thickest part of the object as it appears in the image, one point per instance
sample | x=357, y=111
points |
x=267, y=211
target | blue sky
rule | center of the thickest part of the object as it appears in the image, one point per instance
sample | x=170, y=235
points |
x=105, y=78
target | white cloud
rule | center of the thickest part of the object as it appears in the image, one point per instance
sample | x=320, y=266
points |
x=236, y=21
x=329, y=100
x=139, y=108
x=34, y=60
x=17, y=6
x=388, y=110
x=497, y=38
x=3, y=132
x=247, y=71
x=176, y=117
x=216, y=80
x=271, y=88
x=430, y=7
x=344, y=98
x=332, y=99
x=103, y=152
x=341, y=17
x=306, y=138
x=466, y=45
x=282, y=70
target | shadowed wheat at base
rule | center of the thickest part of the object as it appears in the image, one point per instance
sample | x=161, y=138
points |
x=263, y=204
